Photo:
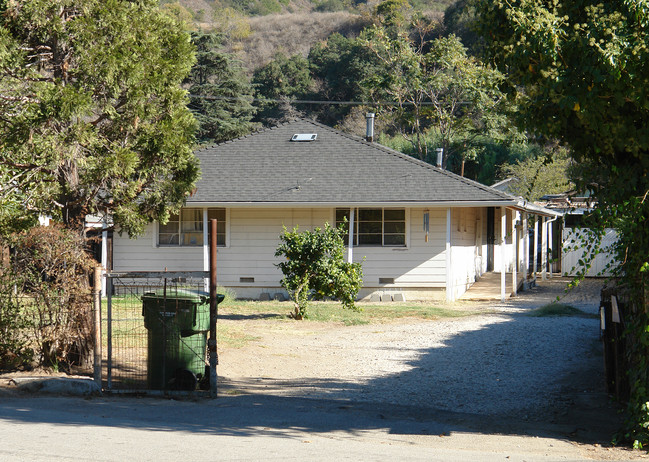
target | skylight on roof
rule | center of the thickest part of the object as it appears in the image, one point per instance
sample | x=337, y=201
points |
x=304, y=137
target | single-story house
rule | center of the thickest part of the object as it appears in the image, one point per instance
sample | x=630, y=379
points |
x=421, y=232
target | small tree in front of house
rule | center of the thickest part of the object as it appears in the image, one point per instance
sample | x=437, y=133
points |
x=315, y=268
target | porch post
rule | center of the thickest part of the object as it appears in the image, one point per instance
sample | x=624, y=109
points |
x=450, y=294
x=536, y=245
x=515, y=252
x=550, y=244
x=526, y=246
x=544, y=249
x=503, y=252
x=350, y=240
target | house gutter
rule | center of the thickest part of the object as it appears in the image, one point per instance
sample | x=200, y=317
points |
x=440, y=204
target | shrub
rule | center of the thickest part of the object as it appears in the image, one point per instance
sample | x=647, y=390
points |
x=15, y=351
x=51, y=271
x=315, y=268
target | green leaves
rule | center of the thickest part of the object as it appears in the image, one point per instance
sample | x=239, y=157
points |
x=217, y=75
x=436, y=85
x=92, y=116
x=579, y=72
x=315, y=267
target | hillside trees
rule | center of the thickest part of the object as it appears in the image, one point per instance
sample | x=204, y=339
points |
x=92, y=115
x=545, y=172
x=338, y=65
x=284, y=78
x=579, y=71
x=436, y=87
x=220, y=94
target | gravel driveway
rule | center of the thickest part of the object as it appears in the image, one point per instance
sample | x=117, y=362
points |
x=499, y=363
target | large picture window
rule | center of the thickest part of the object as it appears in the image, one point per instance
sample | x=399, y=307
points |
x=376, y=227
x=186, y=228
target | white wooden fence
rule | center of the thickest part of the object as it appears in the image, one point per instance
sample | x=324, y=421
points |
x=573, y=251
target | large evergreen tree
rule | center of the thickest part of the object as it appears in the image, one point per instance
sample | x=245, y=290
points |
x=92, y=115
x=220, y=93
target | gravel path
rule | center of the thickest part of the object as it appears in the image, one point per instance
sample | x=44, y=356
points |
x=500, y=363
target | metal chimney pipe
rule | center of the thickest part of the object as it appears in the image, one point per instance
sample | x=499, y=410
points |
x=440, y=156
x=369, y=134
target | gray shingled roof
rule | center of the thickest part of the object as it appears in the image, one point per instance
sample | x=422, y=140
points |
x=336, y=168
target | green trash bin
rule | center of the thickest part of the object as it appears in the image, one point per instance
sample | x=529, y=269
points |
x=177, y=322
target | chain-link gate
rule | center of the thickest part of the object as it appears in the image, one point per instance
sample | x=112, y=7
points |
x=155, y=332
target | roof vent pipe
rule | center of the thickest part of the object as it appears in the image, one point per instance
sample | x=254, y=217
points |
x=369, y=134
x=440, y=156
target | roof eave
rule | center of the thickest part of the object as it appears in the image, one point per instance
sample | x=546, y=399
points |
x=432, y=204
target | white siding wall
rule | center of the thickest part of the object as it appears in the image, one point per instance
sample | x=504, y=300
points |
x=254, y=236
x=141, y=254
x=420, y=264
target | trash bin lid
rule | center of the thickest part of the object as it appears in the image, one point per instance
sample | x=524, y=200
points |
x=196, y=296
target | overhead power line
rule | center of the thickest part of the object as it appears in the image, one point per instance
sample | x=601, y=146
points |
x=308, y=101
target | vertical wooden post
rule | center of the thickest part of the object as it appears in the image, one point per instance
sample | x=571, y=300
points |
x=535, y=262
x=544, y=249
x=109, y=333
x=515, y=252
x=550, y=246
x=96, y=308
x=212, y=344
x=350, y=240
x=526, y=247
x=206, y=250
x=450, y=285
x=503, y=252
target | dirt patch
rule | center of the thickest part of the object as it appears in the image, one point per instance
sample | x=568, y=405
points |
x=512, y=372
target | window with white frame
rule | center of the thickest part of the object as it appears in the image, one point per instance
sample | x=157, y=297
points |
x=186, y=228
x=376, y=226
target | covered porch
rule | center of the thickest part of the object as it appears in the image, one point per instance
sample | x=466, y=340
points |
x=488, y=287
x=519, y=242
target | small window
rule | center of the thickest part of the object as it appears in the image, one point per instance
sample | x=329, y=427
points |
x=186, y=229
x=376, y=227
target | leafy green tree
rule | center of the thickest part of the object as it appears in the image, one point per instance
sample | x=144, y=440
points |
x=338, y=65
x=315, y=268
x=231, y=24
x=436, y=87
x=92, y=115
x=282, y=78
x=220, y=94
x=579, y=71
x=545, y=173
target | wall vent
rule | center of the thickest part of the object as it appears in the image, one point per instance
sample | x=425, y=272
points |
x=386, y=280
x=246, y=280
x=304, y=137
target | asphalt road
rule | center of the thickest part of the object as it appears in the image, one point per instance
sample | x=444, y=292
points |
x=118, y=428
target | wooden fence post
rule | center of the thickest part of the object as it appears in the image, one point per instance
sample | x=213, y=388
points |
x=96, y=304
x=213, y=312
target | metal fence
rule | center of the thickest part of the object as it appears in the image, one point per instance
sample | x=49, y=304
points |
x=154, y=332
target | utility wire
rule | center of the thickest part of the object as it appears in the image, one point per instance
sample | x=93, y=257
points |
x=307, y=101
